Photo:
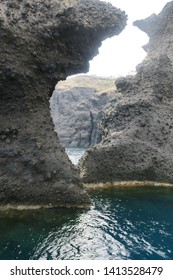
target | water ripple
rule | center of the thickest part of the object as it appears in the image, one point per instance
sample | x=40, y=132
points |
x=121, y=224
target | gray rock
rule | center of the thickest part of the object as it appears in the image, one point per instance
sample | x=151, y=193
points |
x=77, y=113
x=42, y=42
x=137, y=133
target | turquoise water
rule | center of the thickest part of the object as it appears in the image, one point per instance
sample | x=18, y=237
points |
x=131, y=223
x=123, y=223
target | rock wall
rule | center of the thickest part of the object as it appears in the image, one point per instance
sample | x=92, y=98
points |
x=77, y=111
x=137, y=133
x=42, y=42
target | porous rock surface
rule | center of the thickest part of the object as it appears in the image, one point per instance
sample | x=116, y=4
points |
x=78, y=110
x=137, y=133
x=42, y=42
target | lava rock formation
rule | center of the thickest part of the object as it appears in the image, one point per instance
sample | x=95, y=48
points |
x=42, y=42
x=137, y=133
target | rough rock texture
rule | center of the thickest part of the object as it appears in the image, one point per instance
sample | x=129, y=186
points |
x=137, y=133
x=41, y=42
x=77, y=111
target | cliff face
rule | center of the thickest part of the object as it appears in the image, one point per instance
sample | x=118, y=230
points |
x=137, y=133
x=41, y=42
x=77, y=107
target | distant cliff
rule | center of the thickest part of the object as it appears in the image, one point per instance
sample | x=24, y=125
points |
x=41, y=43
x=77, y=107
x=137, y=133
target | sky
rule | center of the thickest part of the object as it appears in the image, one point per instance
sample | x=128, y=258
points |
x=118, y=56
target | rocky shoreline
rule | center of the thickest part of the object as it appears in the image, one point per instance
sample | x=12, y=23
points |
x=125, y=184
x=42, y=43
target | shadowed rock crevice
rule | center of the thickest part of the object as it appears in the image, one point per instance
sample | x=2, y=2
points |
x=137, y=133
x=91, y=127
x=42, y=42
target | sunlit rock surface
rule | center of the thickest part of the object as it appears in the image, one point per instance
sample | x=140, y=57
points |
x=42, y=42
x=137, y=133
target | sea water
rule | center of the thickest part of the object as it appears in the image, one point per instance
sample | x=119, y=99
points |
x=122, y=223
x=75, y=154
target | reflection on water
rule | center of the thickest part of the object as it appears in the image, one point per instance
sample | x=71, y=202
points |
x=131, y=223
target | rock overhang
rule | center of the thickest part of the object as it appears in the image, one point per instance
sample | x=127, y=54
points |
x=42, y=42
